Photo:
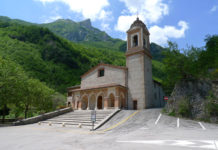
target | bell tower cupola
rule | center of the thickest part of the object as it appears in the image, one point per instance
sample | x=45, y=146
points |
x=138, y=38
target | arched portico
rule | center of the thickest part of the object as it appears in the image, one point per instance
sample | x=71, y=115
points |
x=100, y=98
x=84, y=101
x=92, y=102
x=100, y=104
x=111, y=100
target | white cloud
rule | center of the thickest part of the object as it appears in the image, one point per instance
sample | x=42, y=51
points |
x=213, y=9
x=52, y=18
x=161, y=35
x=105, y=27
x=124, y=22
x=149, y=11
x=93, y=9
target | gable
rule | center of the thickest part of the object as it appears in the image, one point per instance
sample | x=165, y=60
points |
x=102, y=75
x=102, y=65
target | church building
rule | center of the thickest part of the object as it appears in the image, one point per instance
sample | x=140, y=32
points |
x=117, y=87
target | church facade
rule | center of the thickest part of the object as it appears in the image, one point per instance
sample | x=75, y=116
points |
x=116, y=87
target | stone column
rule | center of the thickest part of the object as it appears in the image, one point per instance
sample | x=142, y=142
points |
x=88, y=102
x=105, y=102
x=96, y=103
x=73, y=104
x=80, y=105
x=117, y=102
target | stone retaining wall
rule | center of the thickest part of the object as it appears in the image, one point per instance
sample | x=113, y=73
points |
x=42, y=117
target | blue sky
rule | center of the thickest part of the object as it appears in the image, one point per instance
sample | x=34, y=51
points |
x=186, y=22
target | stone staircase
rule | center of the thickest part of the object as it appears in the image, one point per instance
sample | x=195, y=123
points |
x=80, y=118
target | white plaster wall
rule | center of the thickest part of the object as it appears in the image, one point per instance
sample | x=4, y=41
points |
x=135, y=64
x=111, y=75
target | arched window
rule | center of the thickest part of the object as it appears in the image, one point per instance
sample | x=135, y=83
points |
x=135, y=40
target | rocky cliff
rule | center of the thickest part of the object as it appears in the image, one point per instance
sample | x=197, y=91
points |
x=196, y=99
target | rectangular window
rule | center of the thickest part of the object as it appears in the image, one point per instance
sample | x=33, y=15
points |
x=100, y=72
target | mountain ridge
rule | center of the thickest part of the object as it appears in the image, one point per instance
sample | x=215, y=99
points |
x=84, y=33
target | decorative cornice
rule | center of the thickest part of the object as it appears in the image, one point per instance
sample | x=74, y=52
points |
x=133, y=52
x=99, y=87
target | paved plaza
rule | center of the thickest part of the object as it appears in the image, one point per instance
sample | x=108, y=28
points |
x=128, y=130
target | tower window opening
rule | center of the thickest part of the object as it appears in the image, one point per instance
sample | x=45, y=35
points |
x=144, y=43
x=135, y=41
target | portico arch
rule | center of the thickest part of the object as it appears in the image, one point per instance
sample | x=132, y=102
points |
x=84, y=101
x=92, y=102
x=111, y=100
x=100, y=103
x=68, y=104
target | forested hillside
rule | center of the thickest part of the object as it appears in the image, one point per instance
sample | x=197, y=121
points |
x=53, y=59
x=50, y=58
x=84, y=33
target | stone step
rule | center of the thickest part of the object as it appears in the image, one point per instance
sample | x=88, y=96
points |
x=73, y=120
x=86, y=114
x=100, y=114
x=77, y=117
x=81, y=118
x=72, y=116
x=88, y=117
x=83, y=115
x=90, y=112
x=67, y=123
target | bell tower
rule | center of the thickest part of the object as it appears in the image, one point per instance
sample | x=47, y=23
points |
x=138, y=61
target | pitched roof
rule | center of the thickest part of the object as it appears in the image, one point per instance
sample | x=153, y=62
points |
x=102, y=64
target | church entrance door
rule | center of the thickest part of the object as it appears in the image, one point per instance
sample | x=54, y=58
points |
x=100, y=104
x=84, y=103
x=135, y=104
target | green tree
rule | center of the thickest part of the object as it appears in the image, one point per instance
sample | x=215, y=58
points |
x=10, y=76
x=181, y=65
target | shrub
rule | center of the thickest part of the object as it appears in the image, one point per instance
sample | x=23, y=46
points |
x=212, y=105
x=172, y=113
x=184, y=108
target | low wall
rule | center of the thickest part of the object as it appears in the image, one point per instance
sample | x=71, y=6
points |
x=42, y=117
